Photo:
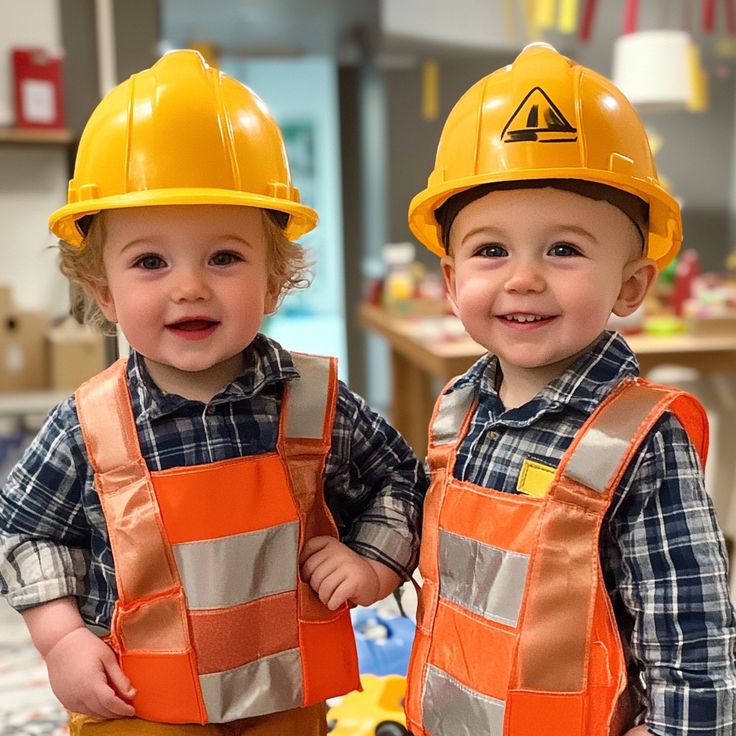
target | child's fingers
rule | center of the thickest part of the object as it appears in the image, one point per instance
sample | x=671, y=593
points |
x=309, y=566
x=315, y=572
x=103, y=703
x=328, y=586
x=313, y=545
x=117, y=678
x=340, y=595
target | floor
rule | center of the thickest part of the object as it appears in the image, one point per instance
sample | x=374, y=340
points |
x=27, y=705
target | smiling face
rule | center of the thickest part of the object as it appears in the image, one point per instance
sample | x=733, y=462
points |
x=534, y=274
x=189, y=286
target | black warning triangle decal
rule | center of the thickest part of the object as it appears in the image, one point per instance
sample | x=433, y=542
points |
x=537, y=118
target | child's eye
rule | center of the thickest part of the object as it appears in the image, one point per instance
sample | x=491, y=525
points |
x=564, y=250
x=150, y=262
x=491, y=250
x=225, y=258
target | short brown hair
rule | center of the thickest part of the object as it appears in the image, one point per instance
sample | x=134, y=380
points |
x=286, y=261
x=635, y=208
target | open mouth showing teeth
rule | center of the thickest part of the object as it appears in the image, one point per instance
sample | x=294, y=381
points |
x=523, y=317
x=193, y=325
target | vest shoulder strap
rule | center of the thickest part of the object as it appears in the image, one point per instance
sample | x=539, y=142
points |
x=308, y=407
x=451, y=413
x=605, y=444
x=106, y=418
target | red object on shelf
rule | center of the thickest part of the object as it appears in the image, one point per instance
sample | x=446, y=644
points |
x=38, y=88
x=686, y=271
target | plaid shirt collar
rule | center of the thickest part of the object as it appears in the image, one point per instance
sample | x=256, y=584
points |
x=580, y=388
x=266, y=363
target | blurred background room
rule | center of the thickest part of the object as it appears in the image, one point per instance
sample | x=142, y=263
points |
x=360, y=90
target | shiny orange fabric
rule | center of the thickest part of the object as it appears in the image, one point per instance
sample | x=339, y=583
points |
x=562, y=671
x=163, y=646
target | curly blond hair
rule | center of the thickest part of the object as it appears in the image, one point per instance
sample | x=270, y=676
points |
x=286, y=261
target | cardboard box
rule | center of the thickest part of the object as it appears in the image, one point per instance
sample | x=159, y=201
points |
x=22, y=360
x=74, y=353
x=6, y=300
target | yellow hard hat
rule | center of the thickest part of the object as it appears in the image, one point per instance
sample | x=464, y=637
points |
x=546, y=117
x=180, y=132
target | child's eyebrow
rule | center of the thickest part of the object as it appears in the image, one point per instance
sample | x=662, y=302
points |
x=239, y=238
x=579, y=230
x=136, y=242
x=492, y=230
x=495, y=231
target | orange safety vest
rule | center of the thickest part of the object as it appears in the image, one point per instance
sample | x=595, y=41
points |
x=213, y=622
x=516, y=635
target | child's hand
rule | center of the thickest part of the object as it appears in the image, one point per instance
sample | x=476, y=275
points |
x=86, y=678
x=337, y=574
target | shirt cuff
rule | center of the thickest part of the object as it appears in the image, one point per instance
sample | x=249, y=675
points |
x=391, y=547
x=33, y=572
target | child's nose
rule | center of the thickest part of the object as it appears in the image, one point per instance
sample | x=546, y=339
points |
x=190, y=285
x=525, y=277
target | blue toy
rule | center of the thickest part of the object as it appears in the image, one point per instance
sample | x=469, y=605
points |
x=384, y=644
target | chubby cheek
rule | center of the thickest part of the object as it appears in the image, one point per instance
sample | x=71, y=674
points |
x=474, y=308
x=591, y=309
x=473, y=297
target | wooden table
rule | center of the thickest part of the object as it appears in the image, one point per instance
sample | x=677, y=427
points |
x=418, y=365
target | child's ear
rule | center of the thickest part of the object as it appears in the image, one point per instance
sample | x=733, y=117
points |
x=271, y=299
x=637, y=277
x=448, y=272
x=103, y=296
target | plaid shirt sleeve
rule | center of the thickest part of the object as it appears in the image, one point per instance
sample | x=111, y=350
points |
x=374, y=486
x=43, y=530
x=673, y=580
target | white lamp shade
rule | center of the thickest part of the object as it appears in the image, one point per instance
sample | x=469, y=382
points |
x=653, y=69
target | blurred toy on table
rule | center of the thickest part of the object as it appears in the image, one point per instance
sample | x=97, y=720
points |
x=402, y=285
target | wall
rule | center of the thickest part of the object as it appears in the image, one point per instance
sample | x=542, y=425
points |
x=696, y=156
x=33, y=177
x=301, y=93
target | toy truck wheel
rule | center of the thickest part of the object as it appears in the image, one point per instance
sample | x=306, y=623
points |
x=391, y=728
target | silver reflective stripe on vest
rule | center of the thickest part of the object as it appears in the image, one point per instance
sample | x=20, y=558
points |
x=452, y=709
x=267, y=685
x=218, y=573
x=604, y=445
x=451, y=415
x=481, y=578
x=308, y=397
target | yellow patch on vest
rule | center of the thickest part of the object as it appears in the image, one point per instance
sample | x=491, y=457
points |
x=534, y=478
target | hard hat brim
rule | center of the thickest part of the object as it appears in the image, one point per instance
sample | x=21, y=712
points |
x=63, y=222
x=664, y=230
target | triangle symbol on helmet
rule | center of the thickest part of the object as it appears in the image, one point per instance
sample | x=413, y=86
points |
x=537, y=118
